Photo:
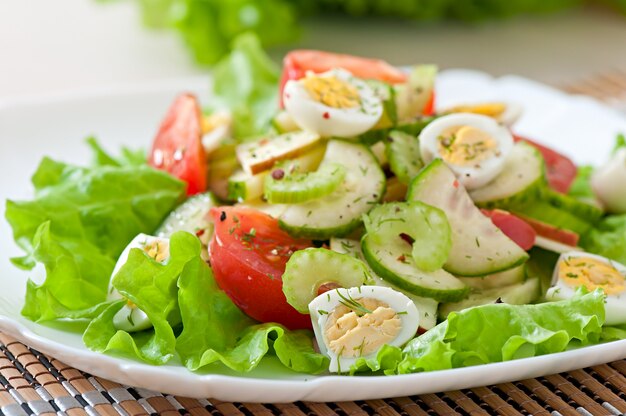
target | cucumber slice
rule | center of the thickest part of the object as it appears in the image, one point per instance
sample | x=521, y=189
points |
x=580, y=209
x=479, y=248
x=521, y=180
x=387, y=262
x=283, y=123
x=273, y=210
x=517, y=294
x=190, y=216
x=379, y=151
x=307, y=270
x=553, y=246
x=426, y=307
x=501, y=279
x=219, y=172
x=387, y=95
x=245, y=187
x=413, y=127
x=339, y=212
x=544, y=212
x=403, y=152
x=411, y=225
x=285, y=185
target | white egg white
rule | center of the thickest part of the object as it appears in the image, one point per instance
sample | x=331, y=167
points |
x=328, y=121
x=614, y=305
x=130, y=318
x=608, y=182
x=322, y=306
x=512, y=111
x=472, y=174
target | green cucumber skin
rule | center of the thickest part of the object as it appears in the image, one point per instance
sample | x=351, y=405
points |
x=326, y=217
x=524, y=155
x=509, y=277
x=544, y=212
x=445, y=295
x=426, y=225
x=302, y=277
x=247, y=188
x=413, y=128
x=403, y=152
x=427, y=307
x=584, y=211
x=517, y=294
x=426, y=188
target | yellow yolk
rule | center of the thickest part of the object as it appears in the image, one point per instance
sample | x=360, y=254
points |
x=158, y=250
x=352, y=333
x=591, y=273
x=466, y=145
x=331, y=91
x=494, y=110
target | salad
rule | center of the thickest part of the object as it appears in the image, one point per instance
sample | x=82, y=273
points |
x=332, y=218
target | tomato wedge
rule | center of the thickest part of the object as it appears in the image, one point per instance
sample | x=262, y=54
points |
x=567, y=237
x=296, y=63
x=513, y=227
x=248, y=254
x=177, y=147
x=561, y=170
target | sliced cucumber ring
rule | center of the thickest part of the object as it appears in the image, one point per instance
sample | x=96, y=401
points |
x=403, y=152
x=580, y=209
x=307, y=270
x=285, y=185
x=338, y=213
x=516, y=294
x=479, y=247
x=520, y=181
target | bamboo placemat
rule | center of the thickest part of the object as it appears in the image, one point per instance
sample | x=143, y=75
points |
x=32, y=383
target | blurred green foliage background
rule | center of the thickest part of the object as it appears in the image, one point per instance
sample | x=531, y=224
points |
x=208, y=26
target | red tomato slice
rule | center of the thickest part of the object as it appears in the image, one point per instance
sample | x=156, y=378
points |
x=177, y=147
x=297, y=63
x=553, y=233
x=513, y=227
x=560, y=169
x=248, y=254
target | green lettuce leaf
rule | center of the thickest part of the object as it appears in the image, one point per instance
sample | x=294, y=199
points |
x=77, y=225
x=607, y=238
x=128, y=157
x=151, y=286
x=501, y=332
x=246, y=83
x=581, y=187
x=215, y=330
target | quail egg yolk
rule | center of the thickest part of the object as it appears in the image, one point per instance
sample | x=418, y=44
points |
x=592, y=274
x=494, y=110
x=331, y=91
x=466, y=145
x=157, y=250
x=358, y=331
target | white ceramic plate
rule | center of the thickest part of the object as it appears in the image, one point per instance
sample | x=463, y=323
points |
x=56, y=126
